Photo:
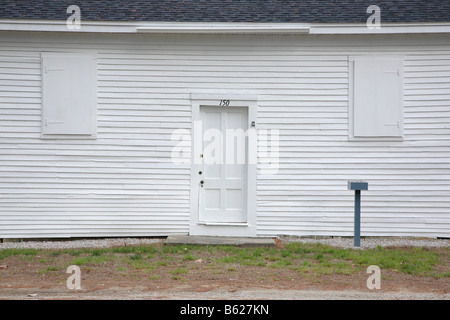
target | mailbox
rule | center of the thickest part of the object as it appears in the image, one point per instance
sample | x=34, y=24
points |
x=357, y=185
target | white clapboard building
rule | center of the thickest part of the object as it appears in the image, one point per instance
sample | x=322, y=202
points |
x=237, y=118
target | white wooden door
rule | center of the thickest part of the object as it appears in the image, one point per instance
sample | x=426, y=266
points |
x=223, y=173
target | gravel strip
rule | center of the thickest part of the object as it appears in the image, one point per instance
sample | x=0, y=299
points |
x=74, y=244
x=367, y=243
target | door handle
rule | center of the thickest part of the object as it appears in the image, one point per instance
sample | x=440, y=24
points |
x=202, y=182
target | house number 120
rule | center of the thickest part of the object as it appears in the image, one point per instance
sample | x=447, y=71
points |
x=224, y=103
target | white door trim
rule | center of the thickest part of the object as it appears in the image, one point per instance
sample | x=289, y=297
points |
x=247, y=229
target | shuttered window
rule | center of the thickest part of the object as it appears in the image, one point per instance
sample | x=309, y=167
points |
x=69, y=90
x=377, y=92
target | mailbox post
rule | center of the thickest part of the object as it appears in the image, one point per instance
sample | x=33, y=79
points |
x=357, y=186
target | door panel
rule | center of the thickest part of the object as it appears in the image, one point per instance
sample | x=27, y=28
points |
x=222, y=190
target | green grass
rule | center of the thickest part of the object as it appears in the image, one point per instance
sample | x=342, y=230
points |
x=48, y=269
x=189, y=257
x=90, y=260
x=305, y=259
x=322, y=259
x=136, y=256
x=17, y=252
x=179, y=270
x=415, y=261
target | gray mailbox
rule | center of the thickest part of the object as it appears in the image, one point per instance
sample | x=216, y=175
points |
x=357, y=185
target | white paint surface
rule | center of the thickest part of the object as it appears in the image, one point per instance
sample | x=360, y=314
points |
x=69, y=93
x=224, y=175
x=123, y=183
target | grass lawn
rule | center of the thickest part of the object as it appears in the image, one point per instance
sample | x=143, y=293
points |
x=177, y=261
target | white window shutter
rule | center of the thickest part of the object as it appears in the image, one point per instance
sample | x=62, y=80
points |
x=378, y=97
x=69, y=90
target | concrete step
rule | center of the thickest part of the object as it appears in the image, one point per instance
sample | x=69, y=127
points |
x=228, y=241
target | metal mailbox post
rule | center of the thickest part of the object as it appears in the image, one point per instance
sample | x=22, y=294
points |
x=357, y=186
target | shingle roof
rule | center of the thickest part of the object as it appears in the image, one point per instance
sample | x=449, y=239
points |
x=302, y=11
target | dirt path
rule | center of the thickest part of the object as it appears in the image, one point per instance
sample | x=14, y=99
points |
x=180, y=293
x=245, y=284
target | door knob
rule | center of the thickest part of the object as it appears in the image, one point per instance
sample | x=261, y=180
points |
x=202, y=182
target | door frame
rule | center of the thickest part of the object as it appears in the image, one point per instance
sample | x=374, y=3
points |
x=231, y=100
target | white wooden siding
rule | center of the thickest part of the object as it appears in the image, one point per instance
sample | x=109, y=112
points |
x=124, y=183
